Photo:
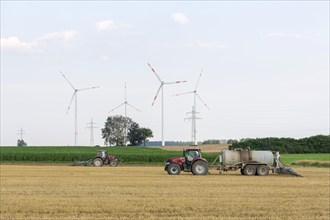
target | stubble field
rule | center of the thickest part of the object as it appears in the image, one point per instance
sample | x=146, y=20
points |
x=133, y=192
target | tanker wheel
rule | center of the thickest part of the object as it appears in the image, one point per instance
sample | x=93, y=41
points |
x=200, y=168
x=97, y=162
x=249, y=170
x=173, y=169
x=262, y=170
x=113, y=163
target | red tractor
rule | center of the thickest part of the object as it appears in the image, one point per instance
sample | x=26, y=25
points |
x=191, y=161
x=102, y=157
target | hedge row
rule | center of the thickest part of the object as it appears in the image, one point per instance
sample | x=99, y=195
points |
x=315, y=144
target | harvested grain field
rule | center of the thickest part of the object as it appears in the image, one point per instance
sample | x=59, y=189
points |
x=64, y=192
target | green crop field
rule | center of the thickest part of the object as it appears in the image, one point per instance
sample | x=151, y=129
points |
x=70, y=154
x=128, y=155
x=290, y=158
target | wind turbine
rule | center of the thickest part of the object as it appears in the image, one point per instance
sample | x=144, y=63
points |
x=74, y=96
x=161, y=87
x=126, y=104
x=193, y=112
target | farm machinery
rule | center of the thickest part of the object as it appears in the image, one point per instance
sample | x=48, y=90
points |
x=101, y=158
x=191, y=161
x=249, y=162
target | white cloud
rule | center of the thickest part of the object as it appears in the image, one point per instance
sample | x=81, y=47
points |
x=105, y=25
x=179, y=18
x=62, y=37
x=206, y=45
x=15, y=43
x=285, y=35
x=38, y=44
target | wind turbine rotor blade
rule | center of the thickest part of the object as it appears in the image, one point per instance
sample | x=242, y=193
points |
x=184, y=93
x=133, y=107
x=68, y=81
x=156, y=94
x=175, y=82
x=202, y=101
x=94, y=87
x=160, y=80
x=199, y=78
x=71, y=101
x=117, y=107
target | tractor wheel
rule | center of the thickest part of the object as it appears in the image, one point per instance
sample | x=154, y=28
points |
x=98, y=162
x=241, y=170
x=113, y=163
x=249, y=170
x=262, y=170
x=200, y=168
x=173, y=169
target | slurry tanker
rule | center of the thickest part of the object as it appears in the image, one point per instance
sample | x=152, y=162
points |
x=249, y=162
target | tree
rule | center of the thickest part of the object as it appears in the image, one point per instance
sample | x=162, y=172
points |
x=113, y=132
x=211, y=141
x=21, y=143
x=146, y=133
x=231, y=141
x=137, y=135
x=134, y=134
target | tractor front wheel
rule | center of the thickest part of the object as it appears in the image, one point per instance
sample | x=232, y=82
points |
x=98, y=162
x=173, y=169
x=200, y=168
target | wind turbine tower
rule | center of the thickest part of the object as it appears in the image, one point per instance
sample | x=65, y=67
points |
x=194, y=112
x=91, y=127
x=74, y=96
x=126, y=104
x=161, y=87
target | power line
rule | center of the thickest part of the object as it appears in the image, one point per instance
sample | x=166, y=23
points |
x=193, y=124
x=91, y=127
x=21, y=132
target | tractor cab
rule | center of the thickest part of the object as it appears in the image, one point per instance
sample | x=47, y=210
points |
x=102, y=153
x=190, y=154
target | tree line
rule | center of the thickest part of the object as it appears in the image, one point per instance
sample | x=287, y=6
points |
x=314, y=144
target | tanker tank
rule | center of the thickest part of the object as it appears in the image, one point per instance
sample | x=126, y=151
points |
x=231, y=157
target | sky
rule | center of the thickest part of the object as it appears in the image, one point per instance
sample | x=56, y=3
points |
x=264, y=64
